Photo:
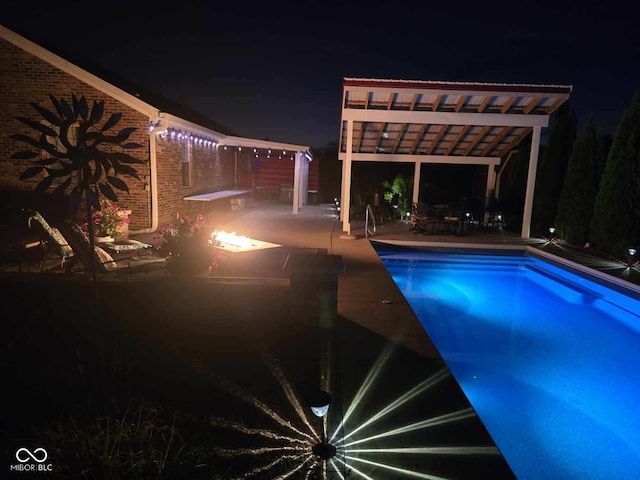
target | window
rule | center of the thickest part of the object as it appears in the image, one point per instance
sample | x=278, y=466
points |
x=186, y=163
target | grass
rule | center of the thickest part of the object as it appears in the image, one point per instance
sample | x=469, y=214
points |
x=125, y=391
x=146, y=440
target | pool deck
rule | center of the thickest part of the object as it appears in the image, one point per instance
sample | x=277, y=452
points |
x=366, y=293
x=375, y=327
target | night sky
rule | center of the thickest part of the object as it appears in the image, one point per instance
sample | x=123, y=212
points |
x=274, y=70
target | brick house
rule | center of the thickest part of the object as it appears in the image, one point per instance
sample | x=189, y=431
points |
x=185, y=153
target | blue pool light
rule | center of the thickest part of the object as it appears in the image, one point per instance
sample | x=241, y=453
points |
x=547, y=356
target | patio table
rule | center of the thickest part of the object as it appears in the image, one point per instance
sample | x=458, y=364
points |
x=126, y=250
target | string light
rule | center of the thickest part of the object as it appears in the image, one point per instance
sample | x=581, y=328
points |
x=172, y=133
x=154, y=125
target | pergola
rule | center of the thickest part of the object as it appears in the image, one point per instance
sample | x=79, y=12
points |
x=442, y=122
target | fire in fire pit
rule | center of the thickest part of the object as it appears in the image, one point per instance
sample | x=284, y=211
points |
x=237, y=243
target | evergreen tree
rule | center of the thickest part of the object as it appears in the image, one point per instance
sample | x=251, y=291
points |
x=514, y=187
x=581, y=183
x=615, y=225
x=552, y=168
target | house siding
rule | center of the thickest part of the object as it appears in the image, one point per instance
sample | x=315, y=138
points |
x=26, y=79
x=212, y=170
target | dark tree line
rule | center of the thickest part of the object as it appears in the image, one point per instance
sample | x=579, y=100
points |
x=615, y=224
x=552, y=169
x=587, y=184
x=581, y=183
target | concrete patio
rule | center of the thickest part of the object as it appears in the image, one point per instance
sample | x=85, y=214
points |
x=366, y=293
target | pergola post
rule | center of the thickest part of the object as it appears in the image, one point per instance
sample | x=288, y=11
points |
x=531, y=183
x=491, y=187
x=345, y=201
x=416, y=182
x=298, y=171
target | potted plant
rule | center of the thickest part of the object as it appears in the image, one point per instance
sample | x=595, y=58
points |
x=109, y=222
x=185, y=244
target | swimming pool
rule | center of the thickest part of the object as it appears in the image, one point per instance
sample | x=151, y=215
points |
x=548, y=357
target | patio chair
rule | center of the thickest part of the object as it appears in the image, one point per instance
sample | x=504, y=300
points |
x=424, y=219
x=418, y=216
x=104, y=261
x=81, y=246
x=55, y=243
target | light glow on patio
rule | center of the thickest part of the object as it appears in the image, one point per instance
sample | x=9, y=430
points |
x=237, y=243
x=220, y=237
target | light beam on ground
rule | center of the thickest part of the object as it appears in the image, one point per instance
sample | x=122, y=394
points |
x=409, y=473
x=366, y=384
x=431, y=450
x=356, y=471
x=291, y=396
x=442, y=419
x=252, y=400
x=261, y=432
x=336, y=470
x=230, y=452
x=272, y=464
x=418, y=389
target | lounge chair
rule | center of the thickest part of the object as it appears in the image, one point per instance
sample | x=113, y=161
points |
x=82, y=250
x=56, y=245
x=70, y=245
x=104, y=261
x=133, y=255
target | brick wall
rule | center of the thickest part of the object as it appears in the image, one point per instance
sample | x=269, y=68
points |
x=211, y=170
x=25, y=79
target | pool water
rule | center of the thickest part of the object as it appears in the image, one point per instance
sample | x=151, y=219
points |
x=548, y=358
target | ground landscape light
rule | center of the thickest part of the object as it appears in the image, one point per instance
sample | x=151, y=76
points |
x=320, y=406
x=320, y=403
x=631, y=260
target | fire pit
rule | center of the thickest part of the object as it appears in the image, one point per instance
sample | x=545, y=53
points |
x=230, y=242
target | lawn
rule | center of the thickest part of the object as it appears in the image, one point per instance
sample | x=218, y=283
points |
x=179, y=377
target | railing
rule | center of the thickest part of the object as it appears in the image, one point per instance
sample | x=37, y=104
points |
x=369, y=215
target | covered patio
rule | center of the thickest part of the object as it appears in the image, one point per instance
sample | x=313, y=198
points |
x=457, y=123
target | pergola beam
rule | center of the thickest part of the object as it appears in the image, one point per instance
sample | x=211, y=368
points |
x=446, y=118
x=408, y=158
